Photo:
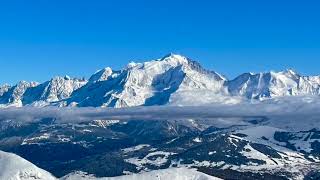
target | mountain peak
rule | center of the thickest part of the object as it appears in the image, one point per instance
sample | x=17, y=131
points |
x=132, y=64
x=101, y=75
x=288, y=73
x=26, y=83
x=172, y=55
x=292, y=72
x=66, y=77
x=175, y=57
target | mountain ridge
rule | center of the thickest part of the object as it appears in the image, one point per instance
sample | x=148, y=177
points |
x=163, y=81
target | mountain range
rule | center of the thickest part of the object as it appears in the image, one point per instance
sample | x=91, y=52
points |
x=171, y=80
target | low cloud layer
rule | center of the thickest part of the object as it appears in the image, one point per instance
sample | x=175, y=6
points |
x=297, y=107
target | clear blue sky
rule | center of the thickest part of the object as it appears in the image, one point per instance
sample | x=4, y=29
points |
x=43, y=38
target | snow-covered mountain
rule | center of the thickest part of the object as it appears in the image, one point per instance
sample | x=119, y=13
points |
x=58, y=88
x=13, y=96
x=13, y=167
x=4, y=88
x=274, y=84
x=148, y=83
x=173, y=79
x=36, y=94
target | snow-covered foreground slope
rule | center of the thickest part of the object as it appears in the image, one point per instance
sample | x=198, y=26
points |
x=166, y=174
x=13, y=167
x=173, y=79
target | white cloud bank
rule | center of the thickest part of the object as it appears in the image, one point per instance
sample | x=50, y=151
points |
x=293, y=108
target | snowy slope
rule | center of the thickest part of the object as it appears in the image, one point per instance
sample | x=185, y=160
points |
x=13, y=167
x=166, y=174
x=101, y=75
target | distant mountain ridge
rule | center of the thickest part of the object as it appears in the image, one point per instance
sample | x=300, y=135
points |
x=173, y=79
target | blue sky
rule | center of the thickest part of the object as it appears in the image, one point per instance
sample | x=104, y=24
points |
x=43, y=38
